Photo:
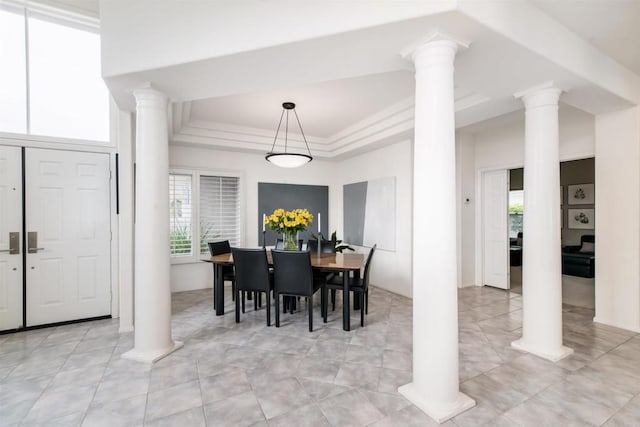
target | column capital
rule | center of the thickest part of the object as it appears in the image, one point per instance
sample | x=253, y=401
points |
x=150, y=96
x=547, y=93
x=434, y=39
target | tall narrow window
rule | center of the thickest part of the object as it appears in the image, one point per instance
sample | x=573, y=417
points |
x=180, y=215
x=13, y=73
x=219, y=210
x=67, y=95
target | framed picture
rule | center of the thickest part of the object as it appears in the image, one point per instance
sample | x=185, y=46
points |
x=580, y=194
x=581, y=218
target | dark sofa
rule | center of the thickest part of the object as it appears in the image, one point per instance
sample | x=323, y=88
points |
x=580, y=260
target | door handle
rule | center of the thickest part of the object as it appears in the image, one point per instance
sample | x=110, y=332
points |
x=32, y=242
x=14, y=244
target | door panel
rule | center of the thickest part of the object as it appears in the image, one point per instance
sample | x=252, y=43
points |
x=496, y=228
x=10, y=222
x=67, y=205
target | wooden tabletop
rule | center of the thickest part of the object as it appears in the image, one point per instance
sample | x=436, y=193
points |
x=337, y=261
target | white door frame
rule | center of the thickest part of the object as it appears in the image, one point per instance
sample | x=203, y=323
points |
x=30, y=141
x=479, y=229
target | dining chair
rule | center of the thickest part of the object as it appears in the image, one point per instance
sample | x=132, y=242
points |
x=293, y=276
x=219, y=248
x=252, y=275
x=358, y=286
x=326, y=246
x=280, y=244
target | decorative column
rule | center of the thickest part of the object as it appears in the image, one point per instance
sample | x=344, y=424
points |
x=541, y=245
x=435, y=387
x=152, y=318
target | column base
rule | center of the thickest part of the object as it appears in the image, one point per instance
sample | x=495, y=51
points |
x=152, y=356
x=554, y=356
x=440, y=413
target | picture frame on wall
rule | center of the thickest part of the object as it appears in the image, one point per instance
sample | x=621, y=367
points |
x=582, y=219
x=581, y=194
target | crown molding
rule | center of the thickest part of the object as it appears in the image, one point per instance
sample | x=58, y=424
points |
x=387, y=126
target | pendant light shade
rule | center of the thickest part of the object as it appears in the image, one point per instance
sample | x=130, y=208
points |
x=286, y=159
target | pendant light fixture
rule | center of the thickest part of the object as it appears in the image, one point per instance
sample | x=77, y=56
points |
x=285, y=159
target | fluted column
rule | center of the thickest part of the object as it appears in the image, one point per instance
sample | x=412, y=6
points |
x=541, y=243
x=152, y=318
x=435, y=386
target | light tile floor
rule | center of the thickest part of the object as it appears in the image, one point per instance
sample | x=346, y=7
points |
x=247, y=374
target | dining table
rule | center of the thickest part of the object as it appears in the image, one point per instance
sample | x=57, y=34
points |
x=344, y=263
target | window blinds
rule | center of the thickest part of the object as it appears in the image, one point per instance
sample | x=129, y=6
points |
x=219, y=210
x=180, y=215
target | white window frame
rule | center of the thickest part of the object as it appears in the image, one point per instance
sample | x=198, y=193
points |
x=70, y=19
x=195, y=256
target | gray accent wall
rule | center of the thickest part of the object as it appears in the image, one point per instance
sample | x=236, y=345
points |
x=315, y=198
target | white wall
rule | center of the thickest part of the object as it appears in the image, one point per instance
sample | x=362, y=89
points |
x=466, y=201
x=617, y=138
x=390, y=270
x=501, y=146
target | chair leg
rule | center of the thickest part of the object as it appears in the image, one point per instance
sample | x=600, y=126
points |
x=366, y=301
x=362, y=310
x=268, y=298
x=310, y=309
x=259, y=299
x=278, y=309
x=325, y=305
x=255, y=301
x=285, y=303
x=242, y=292
x=233, y=291
x=237, y=300
x=333, y=300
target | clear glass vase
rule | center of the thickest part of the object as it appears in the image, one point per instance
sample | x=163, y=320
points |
x=290, y=239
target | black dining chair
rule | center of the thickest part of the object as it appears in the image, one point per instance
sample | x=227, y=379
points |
x=293, y=276
x=326, y=246
x=252, y=275
x=219, y=248
x=358, y=286
x=280, y=244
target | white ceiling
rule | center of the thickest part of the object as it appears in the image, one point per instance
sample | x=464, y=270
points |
x=329, y=110
x=324, y=109
x=612, y=26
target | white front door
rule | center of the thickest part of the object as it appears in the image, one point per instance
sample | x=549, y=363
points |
x=10, y=238
x=495, y=219
x=68, y=235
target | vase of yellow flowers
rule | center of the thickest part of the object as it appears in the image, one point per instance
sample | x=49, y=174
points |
x=289, y=223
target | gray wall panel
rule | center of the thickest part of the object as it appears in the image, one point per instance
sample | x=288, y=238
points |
x=354, y=204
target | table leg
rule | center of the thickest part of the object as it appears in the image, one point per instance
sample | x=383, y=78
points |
x=346, y=319
x=218, y=282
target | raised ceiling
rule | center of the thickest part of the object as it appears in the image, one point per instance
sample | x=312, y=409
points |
x=354, y=91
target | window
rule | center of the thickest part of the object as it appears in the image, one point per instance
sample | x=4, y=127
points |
x=50, y=79
x=219, y=210
x=13, y=75
x=180, y=215
x=203, y=207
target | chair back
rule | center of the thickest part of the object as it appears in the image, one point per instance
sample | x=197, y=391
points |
x=292, y=272
x=280, y=244
x=219, y=248
x=589, y=238
x=365, y=278
x=251, y=268
x=326, y=246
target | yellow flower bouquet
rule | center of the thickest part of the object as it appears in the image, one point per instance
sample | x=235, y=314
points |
x=289, y=223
